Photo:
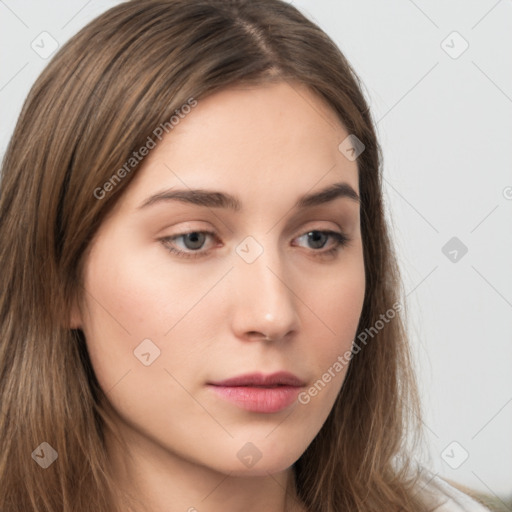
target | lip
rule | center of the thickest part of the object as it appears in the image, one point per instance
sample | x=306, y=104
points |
x=261, y=380
x=261, y=393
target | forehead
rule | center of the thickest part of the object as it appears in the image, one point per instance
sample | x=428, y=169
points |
x=258, y=142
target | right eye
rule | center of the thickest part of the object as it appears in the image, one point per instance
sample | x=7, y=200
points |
x=193, y=241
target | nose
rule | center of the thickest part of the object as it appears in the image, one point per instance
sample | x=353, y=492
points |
x=263, y=301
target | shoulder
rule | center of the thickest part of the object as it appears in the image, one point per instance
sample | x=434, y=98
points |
x=444, y=497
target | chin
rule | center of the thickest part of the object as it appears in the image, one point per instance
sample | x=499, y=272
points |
x=262, y=458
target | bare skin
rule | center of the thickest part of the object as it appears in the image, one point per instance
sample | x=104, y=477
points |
x=209, y=315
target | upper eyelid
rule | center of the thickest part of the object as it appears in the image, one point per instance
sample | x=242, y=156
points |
x=337, y=222
x=214, y=234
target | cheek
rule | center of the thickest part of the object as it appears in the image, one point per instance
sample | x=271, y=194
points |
x=335, y=312
x=336, y=308
x=137, y=295
x=124, y=307
x=337, y=302
x=134, y=292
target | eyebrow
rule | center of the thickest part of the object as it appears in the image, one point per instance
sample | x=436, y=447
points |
x=216, y=199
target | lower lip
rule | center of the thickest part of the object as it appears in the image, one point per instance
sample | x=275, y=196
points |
x=254, y=399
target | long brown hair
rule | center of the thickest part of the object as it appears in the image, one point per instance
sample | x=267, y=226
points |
x=97, y=102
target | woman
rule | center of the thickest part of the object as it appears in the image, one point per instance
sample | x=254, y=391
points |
x=202, y=308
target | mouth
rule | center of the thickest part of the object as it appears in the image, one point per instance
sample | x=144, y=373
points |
x=260, y=393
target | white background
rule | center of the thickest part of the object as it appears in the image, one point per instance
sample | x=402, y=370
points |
x=445, y=125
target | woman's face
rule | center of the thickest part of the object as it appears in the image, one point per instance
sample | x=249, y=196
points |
x=168, y=315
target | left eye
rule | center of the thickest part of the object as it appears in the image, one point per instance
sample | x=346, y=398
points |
x=194, y=240
x=318, y=238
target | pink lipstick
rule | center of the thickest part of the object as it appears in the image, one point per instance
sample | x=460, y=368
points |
x=256, y=392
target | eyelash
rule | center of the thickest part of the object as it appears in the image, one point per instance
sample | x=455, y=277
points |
x=341, y=241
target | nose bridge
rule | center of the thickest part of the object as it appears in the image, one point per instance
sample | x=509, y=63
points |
x=265, y=302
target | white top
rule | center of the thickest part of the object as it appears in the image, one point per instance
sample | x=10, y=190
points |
x=450, y=499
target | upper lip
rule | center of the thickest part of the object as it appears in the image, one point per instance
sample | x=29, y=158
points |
x=261, y=380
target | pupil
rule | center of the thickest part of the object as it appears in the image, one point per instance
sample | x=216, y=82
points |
x=196, y=240
x=315, y=235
